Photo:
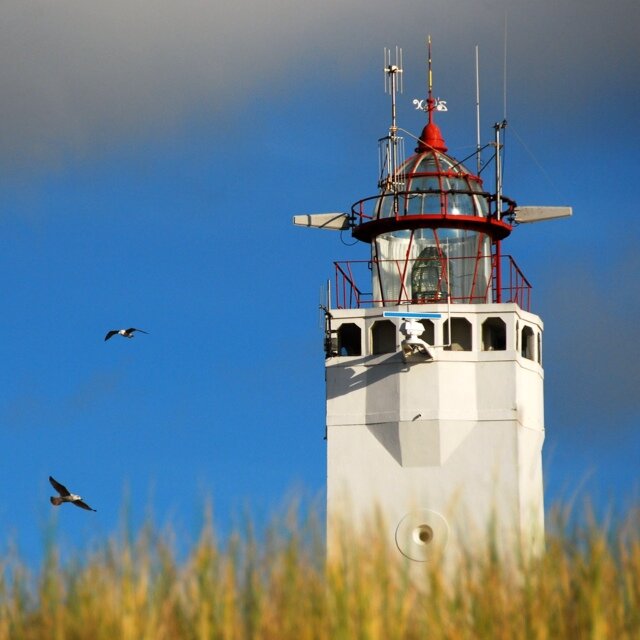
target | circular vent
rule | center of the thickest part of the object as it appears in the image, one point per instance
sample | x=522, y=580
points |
x=422, y=534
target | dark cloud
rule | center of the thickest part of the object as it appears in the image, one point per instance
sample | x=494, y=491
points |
x=77, y=76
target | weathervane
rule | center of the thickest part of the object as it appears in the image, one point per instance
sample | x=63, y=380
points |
x=430, y=104
x=439, y=105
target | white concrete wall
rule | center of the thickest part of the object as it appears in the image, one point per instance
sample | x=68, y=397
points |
x=460, y=436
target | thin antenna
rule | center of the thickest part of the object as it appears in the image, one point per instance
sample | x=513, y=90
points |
x=430, y=100
x=449, y=296
x=498, y=126
x=391, y=150
x=429, y=66
x=433, y=104
x=393, y=82
x=430, y=104
x=478, y=147
x=504, y=71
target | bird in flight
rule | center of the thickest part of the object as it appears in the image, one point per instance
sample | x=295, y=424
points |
x=125, y=333
x=66, y=496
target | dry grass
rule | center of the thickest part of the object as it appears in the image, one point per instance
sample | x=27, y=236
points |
x=277, y=586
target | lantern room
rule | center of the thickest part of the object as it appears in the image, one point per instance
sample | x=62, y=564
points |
x=434, y=231
x=434, y=228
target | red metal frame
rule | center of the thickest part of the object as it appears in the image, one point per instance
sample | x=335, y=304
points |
x=348, y=295
x=370, y=225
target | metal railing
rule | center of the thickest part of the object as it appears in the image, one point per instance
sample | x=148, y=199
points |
x=354, y=280
x=428, y=202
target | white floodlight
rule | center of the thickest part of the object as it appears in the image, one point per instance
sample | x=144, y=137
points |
x=332, y=221
x=524, y=215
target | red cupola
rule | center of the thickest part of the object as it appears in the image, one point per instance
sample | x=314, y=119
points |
x=432, y=228
x=431, y=137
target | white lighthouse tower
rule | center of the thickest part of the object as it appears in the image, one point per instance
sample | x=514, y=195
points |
x=434, y=378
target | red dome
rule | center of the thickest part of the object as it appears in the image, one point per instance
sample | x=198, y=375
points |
x=431, y=138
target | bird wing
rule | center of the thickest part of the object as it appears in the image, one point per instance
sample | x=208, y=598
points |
x=134, y=329
x=111, y=333
x=60, y=488
x=82, y=505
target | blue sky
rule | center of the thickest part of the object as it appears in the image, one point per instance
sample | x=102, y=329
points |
x=152, y=155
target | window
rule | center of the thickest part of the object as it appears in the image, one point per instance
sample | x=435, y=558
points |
x=494, y=334
x=429, y=332
x=383, y=337
x=527, y=342
x=539, y=349
x=460, y=334
x=349, y=339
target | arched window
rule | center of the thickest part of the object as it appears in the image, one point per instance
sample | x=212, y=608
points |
x=527, y=343
x=460, y=335
x=429, y=335
x=494, y=334
x=383, y=337
x=349, y=339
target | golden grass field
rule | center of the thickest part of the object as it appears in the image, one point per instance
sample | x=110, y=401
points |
x=276, y=585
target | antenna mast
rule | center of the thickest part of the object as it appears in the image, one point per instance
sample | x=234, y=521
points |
x=393, y=82
x=391, y=147
x=504, y=72
x=430, y=100
x=478, y=147
x=498, y=126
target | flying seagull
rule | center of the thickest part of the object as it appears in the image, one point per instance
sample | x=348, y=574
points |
x=125, y=333
x=66, y=496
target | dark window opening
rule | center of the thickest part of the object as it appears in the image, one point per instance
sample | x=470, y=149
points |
x=383, y=337
x=429, y=332
x=460, y=335
x=494, y=334
x=349, y=339
x=528, y=344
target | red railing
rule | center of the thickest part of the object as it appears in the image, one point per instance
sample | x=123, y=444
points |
x=351, y=278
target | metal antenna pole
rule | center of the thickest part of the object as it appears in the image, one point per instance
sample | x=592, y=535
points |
x=498, y=126
x=498, y=252
x=504, y=71
x=430, y=101
x=478, y=157
x=393, y=84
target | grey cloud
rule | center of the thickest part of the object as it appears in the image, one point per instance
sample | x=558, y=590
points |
x=77, y=76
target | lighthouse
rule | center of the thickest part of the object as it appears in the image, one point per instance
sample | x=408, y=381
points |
x=434, y=376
